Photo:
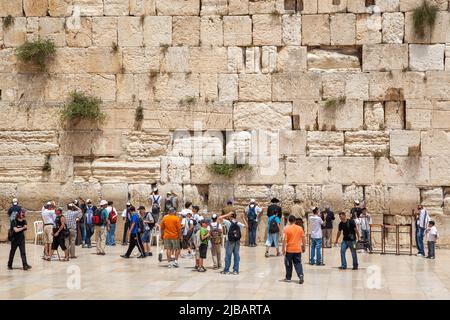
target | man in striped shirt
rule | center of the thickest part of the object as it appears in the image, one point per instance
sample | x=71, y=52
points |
x=72, y=216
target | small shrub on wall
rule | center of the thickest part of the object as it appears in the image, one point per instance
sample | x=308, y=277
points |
x=227, y=169
x=37, y=52
x=424, y=16
x=82, y=108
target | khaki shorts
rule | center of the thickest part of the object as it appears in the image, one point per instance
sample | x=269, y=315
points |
x=48, y=234
x=171, y=244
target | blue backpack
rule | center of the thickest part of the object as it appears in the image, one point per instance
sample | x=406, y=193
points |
x=251, y=213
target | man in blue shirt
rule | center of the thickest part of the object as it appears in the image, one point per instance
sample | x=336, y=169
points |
x=88, y=211
x=101, y=228
x=133, y=235
x=274, y=224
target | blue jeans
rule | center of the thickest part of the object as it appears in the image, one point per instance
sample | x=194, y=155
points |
x=431, y=249
x=420, y=245
x=252, y=225
x=272, y=238
x=232, y=247
x=89, y=233
x=83, y=232
x=316, y=246
x=352, y=246
x=293, y=260
x=110, y=239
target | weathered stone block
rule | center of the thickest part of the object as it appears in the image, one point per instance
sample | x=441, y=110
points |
x=295, y=85
x=238, y=7
x=376, y=198
x=266, y=30
x=402, y=199
x=7, y=193
x=235, y=60
x=255, y=87
x=28, y=142
x=211, y=31
x=116, y=8
x=141, y=60
x=178, y=7
x=142, y=7
x=228, y=87
x=305, y=114
x=214, y=7
x=292, y=59
x=186, y=31
x=144, y=144
x=367, y=143
x=208, y=60
x=15, y=35
x=316, y=30
x=348, y=170
x=117, y=192
x=139, y=193
x=433, y=200
x=403, y=142
x=385, y=57
x=441, y=115
x=208, y=87
x=237, y=30
x=307, y=170
x=59, y=8
x=267, y=115
x=403, y=170
x=438, y=85
x=323, y=143
x=81, y=37
x=292, y=30
x=33, y=196
x=374, y=116
x=418, y=114
x=268, y=59
x=11, y=7
x=292, y=143
x=343, y=29
x=329, y=6
x=368, y=28
x=393, y=27
x=263, y=6
x=440, y=170
x=394, y=113
x=35, y=8
x=104, y=31
x=426, y=57
x=175, y=59
x=89, y=8
x=435, y=143
x=348, y=116
x=410, y=5
x=157, y=31
x=130, y=32
x=176, y=87
x=102, y=60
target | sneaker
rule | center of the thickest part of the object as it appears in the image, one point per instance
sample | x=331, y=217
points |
x=224, y=272
x=10, y=267
x=124, y=256
x=235, y=273
x=27, y=267
x=84, y=246
x=175, y=264
x=201, y=269
x=420, y=255
x=355, y=268
x=320, y=264
x=266, y=255
x=285, y=280
x=160, y=257
x=89, y=246
x=215, y=267
x=74, y=257
x=149, y=254
x=342, y=268
x=301, y=280
x=196, y=267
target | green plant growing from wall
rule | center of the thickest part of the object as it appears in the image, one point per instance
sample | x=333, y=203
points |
x=227, y=169
x=37, y=52
x=47, y=167
x=423, y=16
x=115, y=47
x=335, y=102
x=82, y=107
x=188, y=101
x=139, y=115
x=8, y=21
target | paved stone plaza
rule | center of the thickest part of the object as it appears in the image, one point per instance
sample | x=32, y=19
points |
x=111, y=277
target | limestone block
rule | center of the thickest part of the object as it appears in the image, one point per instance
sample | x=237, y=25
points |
x=7, y=60
x=350, y=194
x=35, y=8
x=176, y=87
x=157, y=30
x=292, y=143
x=348, y=116
x=9, y=87
x=143, y=144
x=319, y=59
x=116, y=8
x=175, y=59
x=343, y=29
x=268, y=59
x=305, y=114
x=130, y=32
x=237, y=31
x=211, y=31
x=228, y=87
x=446, y=201
x=433, y=200
x=447, y=57
x=440, y=170
x=348, y=170
x=394, y=113
x=441, y=115
x=327, y=6
x=440, y=32
x=32, y=196
x=418, y=114
x=303, y=169
x=374, y=116
x=292, y=30
x=270, y=115
x=204, y=148
x=410, y=5
x=332, y=195
x=402, y=199
x=76, y=189
x=311, y=195
x=255, y=87
x=89, y=8
x=385, y=57
x=142, y=7
x=208, y=87
x=14, y=36
x=259, y=193
x=310, y=7
x=357, y=86
x=368, y=28
x=175, y=170
x=396, y=86
x=235, y=60
x=250, y=59
x=117, y=192
x=21, y=168
x=295, y=85
x=284, y=193
x=208, y=60
x=28, y=142
x=139, y=194
x=178, y=7
x=59, y=8
x=426, y=57
x=195, y=195
x=102, y=60
x=357, y=6
x=11, y=7
x=393, y=27
x=238, y=7
x=366, y=143
x=214, y=7
x=186, y=30
x=8, y=191
x=109, y=170
x=292, y=59
x=438, y=85
x=376, y=198
x=316, y=30
x=435, y=143
x=403, y=170
x=402, y=141
x=266, y=30
x=62, y=168
x=81, y=37
x=262, y=6
x=141, y=60
x=325, y=143
x=333, y=85
x=104, y=31
x=240, y=145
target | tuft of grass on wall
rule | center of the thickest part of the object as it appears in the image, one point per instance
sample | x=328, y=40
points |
x=139, y=115
x=47, y=166
x=36, y=52
x=335, y=102
x=423, y=16
x=227, y=169
x=82, y=107
x=8, y=21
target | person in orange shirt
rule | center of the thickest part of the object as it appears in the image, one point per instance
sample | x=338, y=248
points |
x=171, y=235
x=293, y=246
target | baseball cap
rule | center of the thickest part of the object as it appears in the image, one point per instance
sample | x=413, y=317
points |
x=357, y=201
x=214, y=216
x=49, y=203
x=155, y=189
x=88, y=201
x=15, y=201
x=252, y=200
x=103, y=203
x=128, y=204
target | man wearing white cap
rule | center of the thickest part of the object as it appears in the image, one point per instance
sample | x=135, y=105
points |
x=252, y=212
x=155, y=201
x=88, y=210
x=14, y=210
x=216, y=232
x=48, y=216
x=356, y=210
x=101, y=226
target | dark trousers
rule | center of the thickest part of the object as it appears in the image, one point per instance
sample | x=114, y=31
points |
x=125, y=230
x=14, y=245
x=431, y=249
x=293, y=260
x=89, y=233
x=135, y=240
x=252, y=226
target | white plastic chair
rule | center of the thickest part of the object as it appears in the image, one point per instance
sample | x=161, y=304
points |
x=38, y=232
x=156, y=233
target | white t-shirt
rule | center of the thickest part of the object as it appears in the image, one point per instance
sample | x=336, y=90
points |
x=432, y=234
x=185, y=212
x=48, y=216
x=156, y=199
x=424, y=218
x=197, y=217
x=185, y=225
x=315, y=224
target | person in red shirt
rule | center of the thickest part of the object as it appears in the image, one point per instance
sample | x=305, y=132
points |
x=293, y=246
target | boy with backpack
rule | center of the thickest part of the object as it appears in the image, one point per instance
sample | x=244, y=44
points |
x=216, y=232
x=155, y=201
x=101, y=226
x=148, y=222
x=233, y=242
x=203, y=249
x=112, y=217
x=273, y=222
x=133, y=235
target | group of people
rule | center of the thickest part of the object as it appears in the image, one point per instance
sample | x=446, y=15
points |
x=188, y=230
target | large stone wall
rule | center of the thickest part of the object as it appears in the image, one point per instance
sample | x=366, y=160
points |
x=362, y=103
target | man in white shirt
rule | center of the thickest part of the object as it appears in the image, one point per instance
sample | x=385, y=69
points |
x=110, y=236
x=315, y=225
x=422, y=224
x=216, y=232
x=48, y=216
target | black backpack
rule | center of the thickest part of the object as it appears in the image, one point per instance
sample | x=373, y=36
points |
x=234, y=234
x=273, y=226
x=141, y=226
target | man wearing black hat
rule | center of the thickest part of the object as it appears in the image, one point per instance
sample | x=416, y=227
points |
x=18, y=228
x=274, y=208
